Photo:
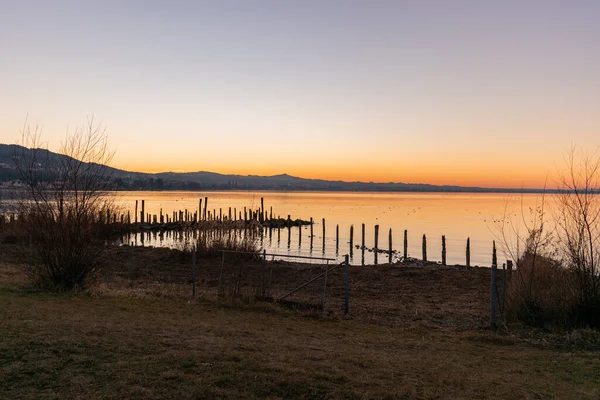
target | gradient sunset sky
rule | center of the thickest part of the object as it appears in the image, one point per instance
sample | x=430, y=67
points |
x=486, y=93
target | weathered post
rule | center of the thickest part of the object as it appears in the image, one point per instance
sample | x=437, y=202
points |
x=493, y=297
x=205, y=207
x=424, y=247
x=337, y=238
x=200, y=209
x=351, y=239
x=324, y=289
x=323, y=235
x=143, y=213
x=346, y=284
x=468, y=252
x=443, y=250
x=299, y=235
x=376, y=248
x=363, y=245
x=262, y=209
x=136, y=211
x=390, y=247
x=194, y=277
x=229, y=215
x=264, y=274
x=405, y=245
x=289, y=229
x=311, y=234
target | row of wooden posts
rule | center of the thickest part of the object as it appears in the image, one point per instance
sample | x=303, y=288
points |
x=202, y=214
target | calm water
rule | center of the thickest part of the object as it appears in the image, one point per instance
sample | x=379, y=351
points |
x=455, y=215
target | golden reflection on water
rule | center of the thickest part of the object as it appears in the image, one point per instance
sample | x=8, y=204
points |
x=455, y=215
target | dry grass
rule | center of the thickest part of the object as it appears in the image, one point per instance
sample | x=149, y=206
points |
x=77, y=346
x=413, y=332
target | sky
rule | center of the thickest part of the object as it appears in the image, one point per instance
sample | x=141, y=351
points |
x=472, y=93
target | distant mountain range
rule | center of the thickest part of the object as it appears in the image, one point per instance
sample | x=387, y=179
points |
x=127, y=180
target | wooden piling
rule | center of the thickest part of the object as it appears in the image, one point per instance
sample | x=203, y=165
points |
x=468, y=252
x=311, y=233
x=143, y=211
x=493, y=291
x=323, y=235
x=351, y=239
x=443, y=250
x=299, y=235
x=205, y=207
x=494, y=257
x=362, y=247
x=136, y=212
x=337, y=238
x=229, y=215
x=376, y=247
x=424, y=248
x=405, y=245
x=262, y=210
x=390, y=247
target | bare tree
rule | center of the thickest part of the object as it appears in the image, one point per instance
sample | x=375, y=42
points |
x=67, y=196
x=579, y=222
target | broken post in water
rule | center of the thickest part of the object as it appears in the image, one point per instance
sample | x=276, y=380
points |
x=424, y=248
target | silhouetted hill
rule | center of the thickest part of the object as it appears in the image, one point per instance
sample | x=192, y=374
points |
x=203, y=180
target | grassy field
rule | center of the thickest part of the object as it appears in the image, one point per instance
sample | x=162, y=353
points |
x=110, y=344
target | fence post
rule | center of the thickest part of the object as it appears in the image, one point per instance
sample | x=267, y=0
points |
x=194, y=277
x=264, y=273
x=493, y=297
x=325, y=288
x=347, y=284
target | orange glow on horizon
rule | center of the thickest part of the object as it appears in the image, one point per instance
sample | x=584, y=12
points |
x=504, y=177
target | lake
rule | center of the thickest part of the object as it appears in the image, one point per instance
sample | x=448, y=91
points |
x=458, y=216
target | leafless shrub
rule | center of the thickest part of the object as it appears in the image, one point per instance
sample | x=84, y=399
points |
x=579, y=225
x=67, y=200
x=557, y=276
